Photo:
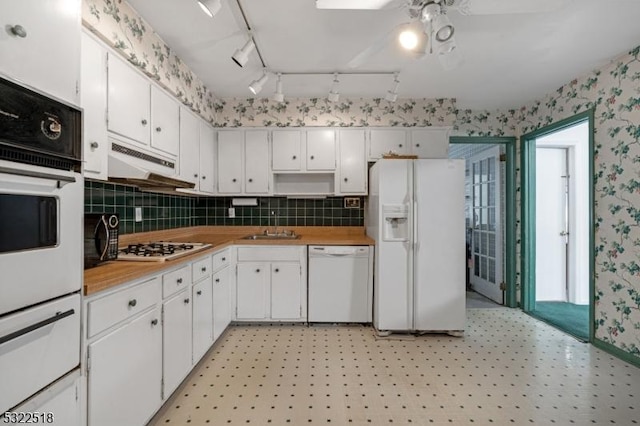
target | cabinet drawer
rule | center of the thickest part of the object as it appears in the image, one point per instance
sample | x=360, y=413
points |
x=201, y=269
x=268, y=254
x=111, y=309
x=220, y=260
x=175, y=281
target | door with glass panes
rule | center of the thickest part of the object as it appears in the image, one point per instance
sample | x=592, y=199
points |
x=486, y=274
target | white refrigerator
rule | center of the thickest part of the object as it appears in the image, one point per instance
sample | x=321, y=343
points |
x=415, y=213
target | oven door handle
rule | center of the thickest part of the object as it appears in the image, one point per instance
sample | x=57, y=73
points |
x=57, y=317
x=62, y=180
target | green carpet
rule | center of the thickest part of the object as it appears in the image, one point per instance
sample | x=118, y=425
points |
x=573, y=319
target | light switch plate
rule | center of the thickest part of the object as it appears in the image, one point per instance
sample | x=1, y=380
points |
x=138, y=214
x=232, y=212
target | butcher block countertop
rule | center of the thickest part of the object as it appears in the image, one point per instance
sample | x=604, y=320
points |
x=111, y=274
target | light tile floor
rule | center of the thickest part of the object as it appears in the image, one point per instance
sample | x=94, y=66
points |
x=509, y=368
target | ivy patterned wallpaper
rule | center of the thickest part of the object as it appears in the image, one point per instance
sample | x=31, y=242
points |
x=614, y=92
x=116, y=23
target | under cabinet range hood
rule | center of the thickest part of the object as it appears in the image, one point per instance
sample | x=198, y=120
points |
x=146, y=171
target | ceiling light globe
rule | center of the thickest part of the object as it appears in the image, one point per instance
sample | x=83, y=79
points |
x=408, y=39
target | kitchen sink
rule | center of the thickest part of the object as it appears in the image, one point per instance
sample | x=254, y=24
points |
x=277, y=236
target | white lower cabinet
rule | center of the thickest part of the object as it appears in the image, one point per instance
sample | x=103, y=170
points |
x=270, y=284
x=125, y=371
x=221, y=302
x=176, y=340
x=203, y=322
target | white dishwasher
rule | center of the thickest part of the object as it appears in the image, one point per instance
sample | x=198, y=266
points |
x=340, y=284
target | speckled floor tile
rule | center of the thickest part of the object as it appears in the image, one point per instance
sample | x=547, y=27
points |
x=509, y=368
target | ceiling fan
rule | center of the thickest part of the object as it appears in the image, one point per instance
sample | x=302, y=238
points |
x=429, y=29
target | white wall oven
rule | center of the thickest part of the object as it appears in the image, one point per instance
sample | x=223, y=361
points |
x=41, y=212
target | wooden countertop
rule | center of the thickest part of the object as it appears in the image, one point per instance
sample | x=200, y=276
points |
x=111, y=274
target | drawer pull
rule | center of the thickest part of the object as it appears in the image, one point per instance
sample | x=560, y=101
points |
x=233, y=180
x=19, y=31
x=199, y=292
x=204, y=177
x=57, y=317
x=217, y=280
x=294, y=157
x=224, y=259
x=257, y=271
x=346, y=179
x=94, y=145
x=144, y=122
x=179, y=280
x=277, y=270
x=417, y=145
x=154, y=321
x=312, y=157
x=195, y=175
x=133, y=302
x=186, y=301
x=400, y=145
x=204, y=269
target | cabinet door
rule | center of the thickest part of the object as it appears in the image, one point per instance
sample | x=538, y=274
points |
x=353, y=164
x=125, y=371
x=285, y=150
x=176, y=341
x=46, y=55
x=93, y=99
x=165, y=122
x=230, y=145
x=286, y=290
x=321, y=150
x=387, y=141
x=430, y=143
x=256, y=162
x=252, y=297
x=189, y=147
x=202, y=318
x=221, y=302
x=128, y=101
x=207, y=158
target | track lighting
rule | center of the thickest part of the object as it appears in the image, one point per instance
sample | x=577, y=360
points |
x=442, y=28
x=334, y=95
x=210, y=7
x=256, y=85
x=392, y=95
x=241, y=56
x=408, y=39
x=278, y=96
x=447, y=47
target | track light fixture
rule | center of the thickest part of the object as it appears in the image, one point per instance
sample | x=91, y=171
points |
x=210, y=7
x=442, y=28
x=241, y=56
x=278, y=96
x=256, y=85
x=392, y=95
x=334, y=95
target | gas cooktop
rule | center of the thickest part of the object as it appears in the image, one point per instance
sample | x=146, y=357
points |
x=159, y=251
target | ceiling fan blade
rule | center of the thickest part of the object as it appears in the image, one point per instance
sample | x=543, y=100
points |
x=504, y=7
x=375, y=47
x=358, y=4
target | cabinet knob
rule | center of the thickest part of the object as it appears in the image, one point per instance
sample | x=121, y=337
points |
x=204, y=269
x=224, y=258
x=204, y=177
x=312, y=157
x=94, y=145
x=294, y=157
x=19, y=31
x=186, y=301
x=400, y=145
x=217, y=280
x=158, y=129
x=233, y=180
x=144, y=122
x=277, y=270
x=195, y=175
x=250, y=180
x=257, y=271
x=199, y=292
x=154, y=321
x=417, y=145
x=179, y=280
x=133, y=302
x=346, y=179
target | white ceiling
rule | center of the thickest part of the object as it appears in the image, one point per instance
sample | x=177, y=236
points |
x=509, y=59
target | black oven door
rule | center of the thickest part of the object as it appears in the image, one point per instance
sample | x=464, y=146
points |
x=27, y=222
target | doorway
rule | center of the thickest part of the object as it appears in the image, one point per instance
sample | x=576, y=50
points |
x=557, y=212
x=490, y=215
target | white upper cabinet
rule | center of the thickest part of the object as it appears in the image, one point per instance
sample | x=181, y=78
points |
x=207, y=158
x=384, y=141
x=128, y=101
x=286, y=150
x=256, y=162
x=230, y=147
x=40, y=45
x=189, y=147
x=94, y=102
x=353, y=165
x=165, y=124
x=321, y=149
x=430, y=143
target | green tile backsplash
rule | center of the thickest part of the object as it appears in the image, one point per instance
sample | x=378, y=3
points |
x=160, y=211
